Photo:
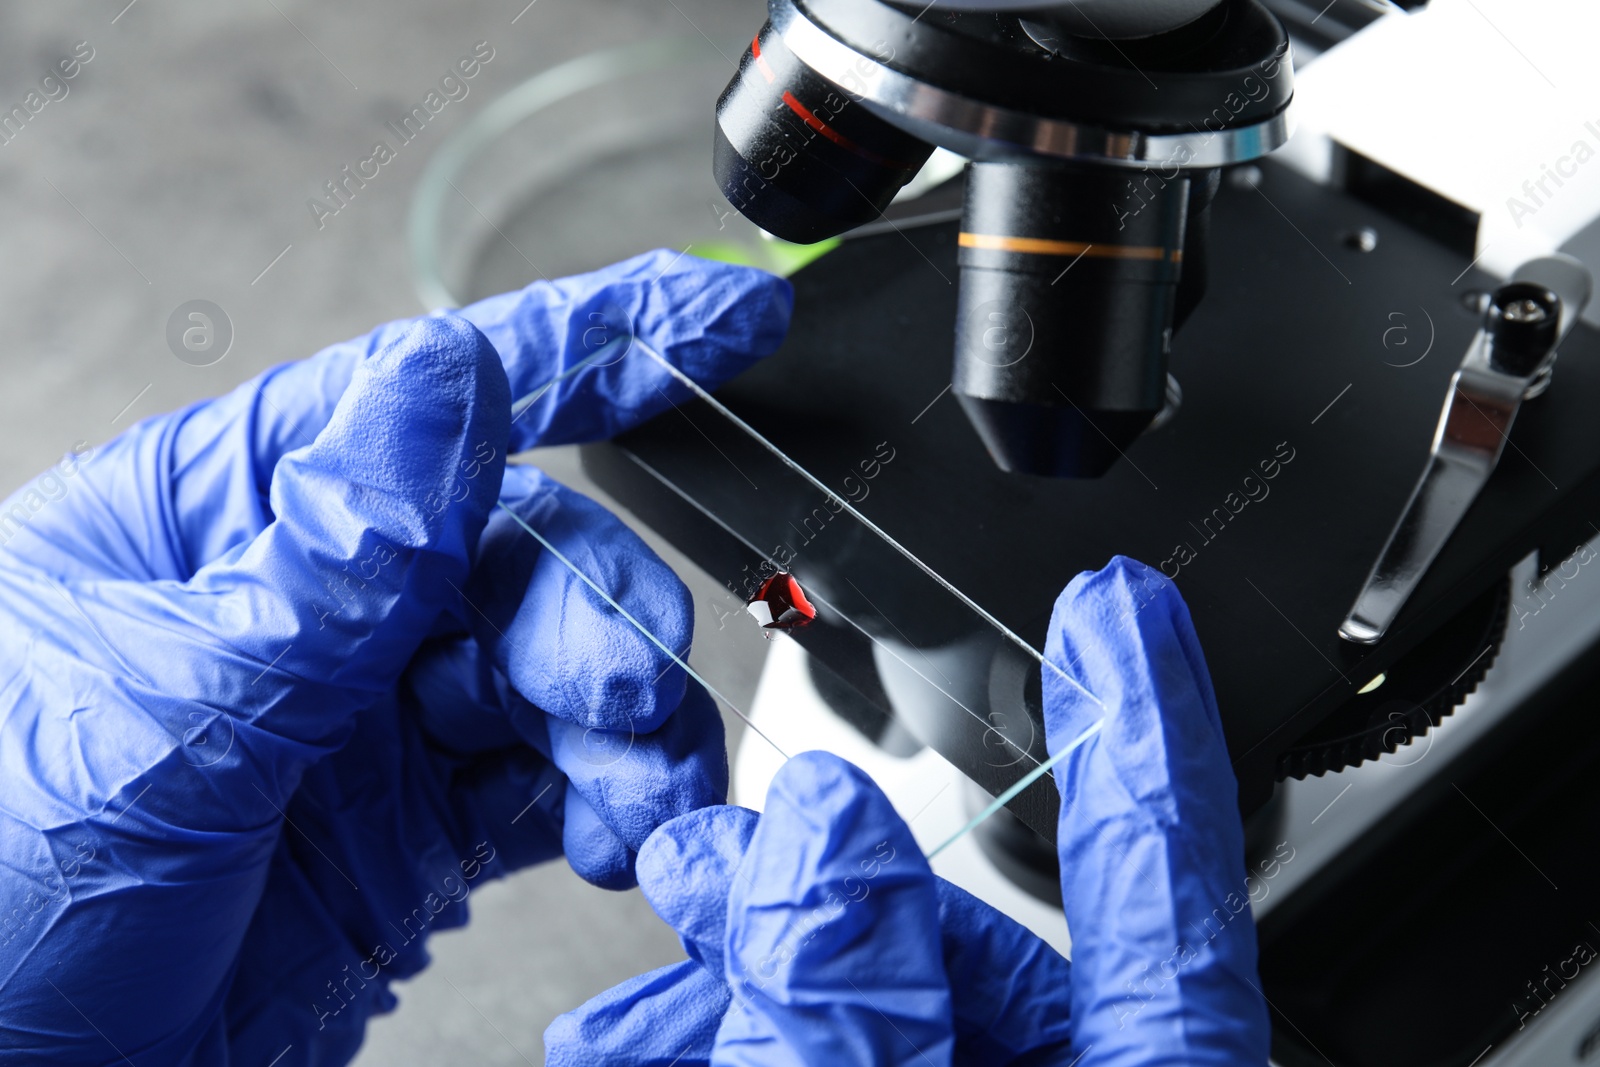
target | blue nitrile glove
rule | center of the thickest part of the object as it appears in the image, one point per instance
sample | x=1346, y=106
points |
x=818, y=934
x=1151, y=847
x=1152, y=855
x=281, y=684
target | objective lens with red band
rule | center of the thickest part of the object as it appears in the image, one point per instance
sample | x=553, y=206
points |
x=797, y=156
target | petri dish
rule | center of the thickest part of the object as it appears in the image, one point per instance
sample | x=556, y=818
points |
x=587, y=163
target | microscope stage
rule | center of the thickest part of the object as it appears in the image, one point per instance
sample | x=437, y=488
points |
x=1312, y=376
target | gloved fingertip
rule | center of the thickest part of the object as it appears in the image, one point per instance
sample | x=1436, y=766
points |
x=376, y=523
x=636, y=782
x=1125, y=603
x=826, y=821
x=1123, y=583
x=443, y=372
x=1121, y=639
x=737, y=316
x=435, y=395
x=764, y=301
x=686, y=869
x=711, y=840
x=705, y=742
x=442, y=346
x=766, y=297
x=573, y=346
x=594, y=851
x=821, y=784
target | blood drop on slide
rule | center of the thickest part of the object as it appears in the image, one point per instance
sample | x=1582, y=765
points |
x=780, y=604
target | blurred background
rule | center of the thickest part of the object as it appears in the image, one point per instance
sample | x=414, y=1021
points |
x=181, y=165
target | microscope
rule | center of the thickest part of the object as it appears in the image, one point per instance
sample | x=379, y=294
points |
x=1095, y=132
x=1317, y=388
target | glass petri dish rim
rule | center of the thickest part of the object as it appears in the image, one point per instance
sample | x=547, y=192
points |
x=499, y=117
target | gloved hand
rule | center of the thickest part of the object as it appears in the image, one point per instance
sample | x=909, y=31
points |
x=818, y=934
x=810, y=930
x=282, y=684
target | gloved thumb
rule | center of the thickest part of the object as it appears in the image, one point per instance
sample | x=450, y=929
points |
x=832, y=948
x=375, y=524
x=686, y=870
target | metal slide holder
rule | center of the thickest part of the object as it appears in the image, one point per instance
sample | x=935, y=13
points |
x=1510, y=360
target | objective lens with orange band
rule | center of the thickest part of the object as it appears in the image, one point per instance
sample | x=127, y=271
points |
x=1069, y=277
x=1040, y=246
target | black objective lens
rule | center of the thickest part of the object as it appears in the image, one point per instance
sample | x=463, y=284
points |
x=796, y=156
x=1069, y=275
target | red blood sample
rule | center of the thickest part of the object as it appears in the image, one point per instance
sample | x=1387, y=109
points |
x=780, y=604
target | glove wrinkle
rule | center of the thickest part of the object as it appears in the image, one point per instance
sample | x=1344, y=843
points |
x=666, y=1018
x=551, y=633
x=832, y=875
x=1007, y=986
x=686, y=870
x=712, y=320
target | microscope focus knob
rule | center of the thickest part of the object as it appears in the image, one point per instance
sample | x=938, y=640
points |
x=1522, y=322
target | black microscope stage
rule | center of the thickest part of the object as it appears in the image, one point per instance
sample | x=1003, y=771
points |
x=1312, y=377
